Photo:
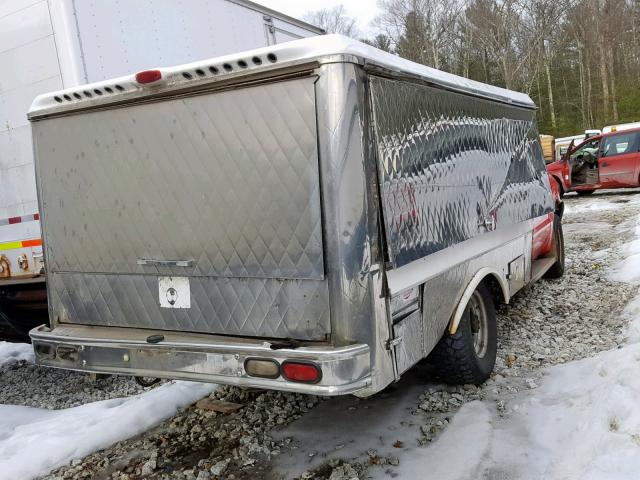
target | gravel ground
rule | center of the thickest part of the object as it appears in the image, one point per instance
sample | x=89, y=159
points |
x=26, y=384
x=552, y=322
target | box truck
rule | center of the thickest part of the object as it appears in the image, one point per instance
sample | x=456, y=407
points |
x=54, y=44
x=315, y=216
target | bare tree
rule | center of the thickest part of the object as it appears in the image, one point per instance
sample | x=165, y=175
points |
x=333, y=20
x=579, y=59
x=542, y=18
x=420, y=30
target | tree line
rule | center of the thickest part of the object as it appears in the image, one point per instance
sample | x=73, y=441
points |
x=578, y=59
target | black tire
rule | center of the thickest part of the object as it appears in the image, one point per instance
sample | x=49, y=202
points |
x=557, y=269
x=456, y=357
x=584, y=192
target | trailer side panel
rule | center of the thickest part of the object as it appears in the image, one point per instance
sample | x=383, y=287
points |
x=453, y=167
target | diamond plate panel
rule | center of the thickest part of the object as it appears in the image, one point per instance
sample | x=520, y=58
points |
x=231, y=306
x=228, y=180
x=448, y=163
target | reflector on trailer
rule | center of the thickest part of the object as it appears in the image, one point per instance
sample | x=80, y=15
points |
x=148, y=76
x=299, y=371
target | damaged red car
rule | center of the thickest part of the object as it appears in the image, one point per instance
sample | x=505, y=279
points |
x=610, y=160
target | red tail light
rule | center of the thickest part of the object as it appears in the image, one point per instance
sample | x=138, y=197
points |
x=303, y=372
x=148, y=76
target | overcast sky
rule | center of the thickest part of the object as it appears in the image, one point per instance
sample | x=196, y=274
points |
x=363, y=10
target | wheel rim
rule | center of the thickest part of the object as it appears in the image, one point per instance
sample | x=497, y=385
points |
x=479, y=325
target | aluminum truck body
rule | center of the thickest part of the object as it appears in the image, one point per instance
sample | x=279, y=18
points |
x=316, y=216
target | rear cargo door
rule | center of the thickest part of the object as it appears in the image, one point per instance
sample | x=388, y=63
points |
x=199, y=213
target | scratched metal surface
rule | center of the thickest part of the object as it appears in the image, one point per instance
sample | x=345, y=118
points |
x=449, y=163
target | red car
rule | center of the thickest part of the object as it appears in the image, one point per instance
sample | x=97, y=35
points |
x=610, y=160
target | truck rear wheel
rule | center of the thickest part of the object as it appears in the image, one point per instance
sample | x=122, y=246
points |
x=557, y=269
x=468, y=356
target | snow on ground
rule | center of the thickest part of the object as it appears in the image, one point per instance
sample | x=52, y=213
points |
x=12, y=352
x=591, y=207
x=583, y=423
x=456, y=455
x=600, y=201
x=33, y=441
x=628, y=270
x=632, y=312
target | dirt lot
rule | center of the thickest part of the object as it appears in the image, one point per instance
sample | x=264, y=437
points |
x=280, y=436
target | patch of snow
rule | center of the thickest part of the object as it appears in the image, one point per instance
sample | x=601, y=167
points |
x=632, y=312
x=34, y=441
x=628, y=270
x=13, y=352
x=591, y=207
x=456, y=454
x=582, y=423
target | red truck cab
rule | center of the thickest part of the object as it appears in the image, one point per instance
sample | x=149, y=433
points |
x=610, y=160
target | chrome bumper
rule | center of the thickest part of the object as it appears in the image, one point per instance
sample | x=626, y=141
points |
x=201, y=358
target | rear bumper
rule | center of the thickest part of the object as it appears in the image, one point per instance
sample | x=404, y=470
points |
x=202, y=358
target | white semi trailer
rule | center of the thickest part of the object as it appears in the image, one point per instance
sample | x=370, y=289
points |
x=50, y=45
